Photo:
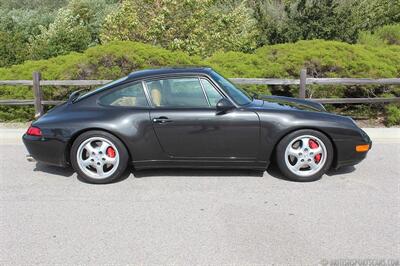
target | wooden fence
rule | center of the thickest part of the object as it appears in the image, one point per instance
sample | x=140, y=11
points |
x=38, y=101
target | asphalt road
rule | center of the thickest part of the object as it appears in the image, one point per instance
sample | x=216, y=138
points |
x=187, y=217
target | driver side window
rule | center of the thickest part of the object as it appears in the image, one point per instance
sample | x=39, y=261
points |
x=177, y=93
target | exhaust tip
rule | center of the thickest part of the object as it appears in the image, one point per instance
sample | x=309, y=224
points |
x=29, y=158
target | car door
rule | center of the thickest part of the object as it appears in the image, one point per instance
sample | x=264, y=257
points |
x=187, y=125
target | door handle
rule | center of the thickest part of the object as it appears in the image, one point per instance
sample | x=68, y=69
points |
x=161, y=120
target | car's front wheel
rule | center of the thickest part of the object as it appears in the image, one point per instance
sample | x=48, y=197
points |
x=99, y=157
x=304, y=155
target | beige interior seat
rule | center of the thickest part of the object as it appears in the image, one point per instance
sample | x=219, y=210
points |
x=155, y=92
x=125, y=101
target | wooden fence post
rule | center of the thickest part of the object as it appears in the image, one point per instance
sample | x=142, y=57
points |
x=37, y=93
x=303, y=83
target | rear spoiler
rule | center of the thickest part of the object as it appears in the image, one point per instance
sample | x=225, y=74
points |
x=74, y=96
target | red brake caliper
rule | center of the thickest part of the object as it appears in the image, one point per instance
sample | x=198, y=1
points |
x=313, y=145
x=110, y=152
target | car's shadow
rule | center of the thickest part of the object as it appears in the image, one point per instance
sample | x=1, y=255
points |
x=54, y=170
x=275, y=172
x=341, y=171
x=68, y=172
x=272, y=170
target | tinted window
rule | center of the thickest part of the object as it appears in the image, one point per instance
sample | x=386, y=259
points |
x=127, y=95
x=239, y=96
x=212, y=94
x=177, y=92
x=104, y=87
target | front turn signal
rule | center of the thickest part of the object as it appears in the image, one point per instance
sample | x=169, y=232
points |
x=362, y=148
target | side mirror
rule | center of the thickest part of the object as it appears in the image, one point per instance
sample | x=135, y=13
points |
x=255, y=95
x=224, y=105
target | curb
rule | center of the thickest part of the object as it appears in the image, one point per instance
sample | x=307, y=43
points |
x=11, y=135
x=384, y=135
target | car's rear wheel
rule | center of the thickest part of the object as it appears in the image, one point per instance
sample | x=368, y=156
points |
x=99, y=157
x=304, y=155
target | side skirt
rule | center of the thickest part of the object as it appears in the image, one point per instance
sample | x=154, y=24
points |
x=204, y=164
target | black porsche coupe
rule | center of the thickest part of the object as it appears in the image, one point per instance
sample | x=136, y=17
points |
x=193, y=118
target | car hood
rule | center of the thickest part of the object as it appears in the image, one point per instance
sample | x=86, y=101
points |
x=287, y=103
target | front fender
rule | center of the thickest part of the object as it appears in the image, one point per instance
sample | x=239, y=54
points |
x=344, y=134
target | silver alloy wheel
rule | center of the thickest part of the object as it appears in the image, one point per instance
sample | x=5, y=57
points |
x=303, y=159
x=97, y=157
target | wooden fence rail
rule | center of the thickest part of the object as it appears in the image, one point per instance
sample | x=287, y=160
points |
x=38, y=101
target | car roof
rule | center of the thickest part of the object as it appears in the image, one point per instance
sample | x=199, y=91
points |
x=171, y=70
x=143, y=74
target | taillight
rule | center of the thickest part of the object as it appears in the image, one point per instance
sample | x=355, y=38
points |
x=34, y=131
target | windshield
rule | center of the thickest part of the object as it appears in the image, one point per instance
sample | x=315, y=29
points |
x=239, y=96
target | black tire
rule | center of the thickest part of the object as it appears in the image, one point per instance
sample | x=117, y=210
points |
x=122, y=151
x=280, y=155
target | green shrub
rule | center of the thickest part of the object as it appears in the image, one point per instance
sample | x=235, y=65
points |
x=321, y=58
x=389, y=35
x=16, y=113
x=367, y=38
x=392, y=114
x=109, y=61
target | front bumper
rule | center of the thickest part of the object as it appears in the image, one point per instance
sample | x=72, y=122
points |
x=49, y=151
x=347, y=154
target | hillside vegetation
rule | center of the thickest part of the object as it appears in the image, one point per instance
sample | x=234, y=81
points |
x=41, y=29
x=118, y=58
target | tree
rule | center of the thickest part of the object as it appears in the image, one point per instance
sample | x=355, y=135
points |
x=16, y=28
x=281, y=21
x=271, y=19
x=311, y=20
x=13, y=49
x=372, y=14
x=75, y=28
x=67, y=33
x=196, y=26
x=32, y=4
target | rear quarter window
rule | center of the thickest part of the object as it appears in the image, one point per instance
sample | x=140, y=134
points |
x=128, y=95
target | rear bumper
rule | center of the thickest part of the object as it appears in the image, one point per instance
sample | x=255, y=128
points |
x=49, y=151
